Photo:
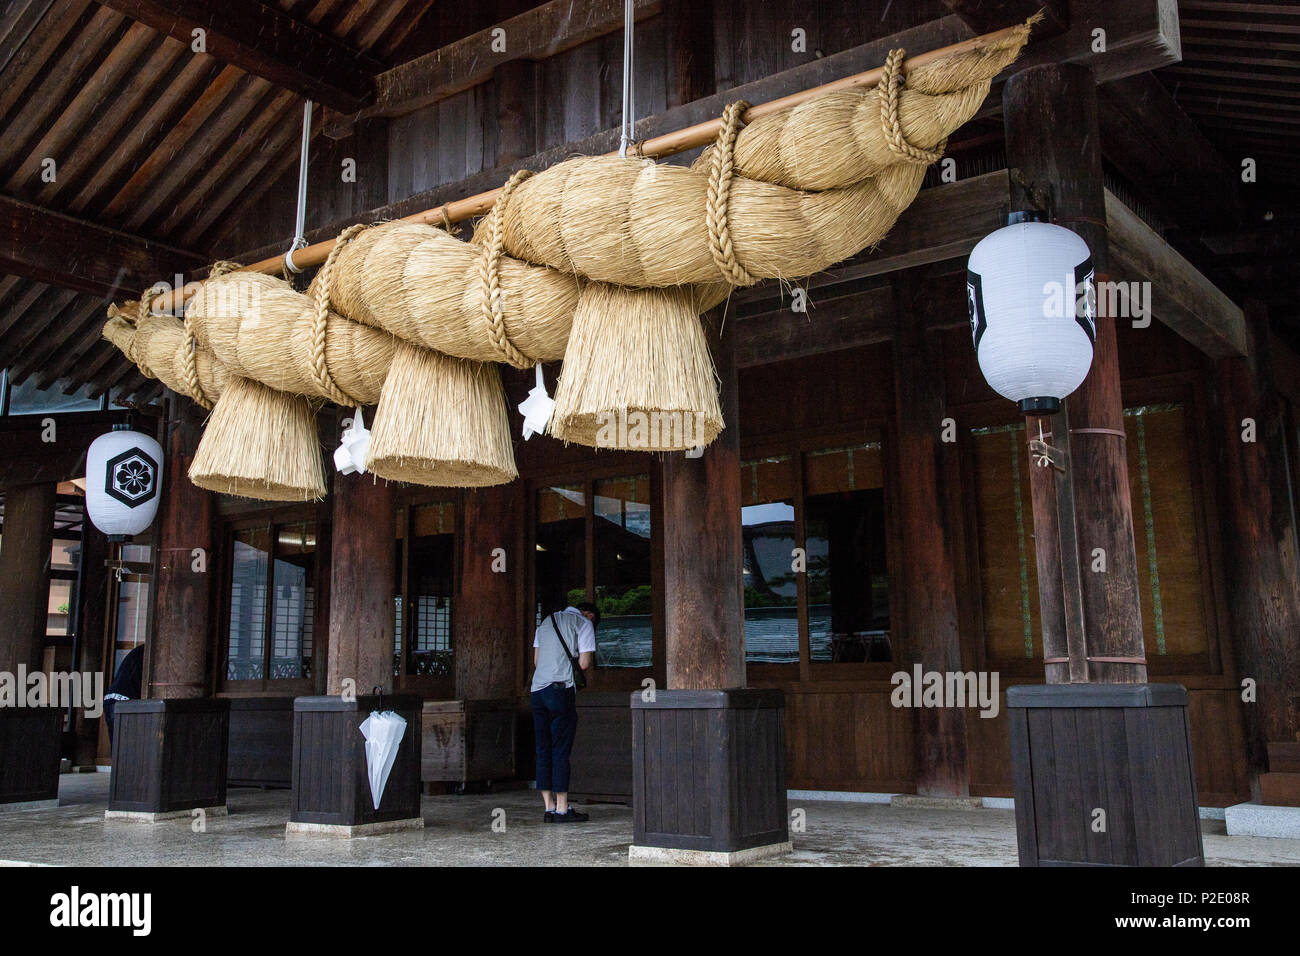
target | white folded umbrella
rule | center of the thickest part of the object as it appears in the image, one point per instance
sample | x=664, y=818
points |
x=383, y=731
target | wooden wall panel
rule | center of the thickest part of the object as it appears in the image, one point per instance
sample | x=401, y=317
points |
x=847, y=740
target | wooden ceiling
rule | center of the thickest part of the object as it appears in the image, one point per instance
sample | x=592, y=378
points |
x=158, y=151
x=147, y=138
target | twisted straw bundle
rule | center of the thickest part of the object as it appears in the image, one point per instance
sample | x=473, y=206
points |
x=265, y=331
x=157, y=344
x=605, y=261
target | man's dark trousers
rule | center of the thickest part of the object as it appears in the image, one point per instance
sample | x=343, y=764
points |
x=555, y=720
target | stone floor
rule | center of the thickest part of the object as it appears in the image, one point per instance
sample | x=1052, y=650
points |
x=458, y=831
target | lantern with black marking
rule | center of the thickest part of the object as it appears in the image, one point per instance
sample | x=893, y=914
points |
x=123, y=481
x=1032, y=303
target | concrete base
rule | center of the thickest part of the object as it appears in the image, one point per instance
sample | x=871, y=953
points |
x=29, y=805
x=341, y=831
x=916, y=801
x=144, y=816
x=1256, y=819
x=665, y=856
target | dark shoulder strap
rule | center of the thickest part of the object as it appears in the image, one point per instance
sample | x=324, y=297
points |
x=555, y=625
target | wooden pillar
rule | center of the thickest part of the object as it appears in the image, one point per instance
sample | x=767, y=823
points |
x=515, y=83
x=1259, y=532
x=25, y=573
x=92, y=626
x=1054, y=149
x=484, y=643
x=927, y=514
x=702, y=546
x=179, y=647
x=361, y=584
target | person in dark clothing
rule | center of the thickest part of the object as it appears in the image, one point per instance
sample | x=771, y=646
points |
x=562, y=636
x=127, y=683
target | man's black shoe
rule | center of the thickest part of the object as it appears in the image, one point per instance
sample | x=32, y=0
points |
x=571, y=816
x=550, y=816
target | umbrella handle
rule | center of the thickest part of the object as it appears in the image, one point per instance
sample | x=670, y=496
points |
x=378, y=689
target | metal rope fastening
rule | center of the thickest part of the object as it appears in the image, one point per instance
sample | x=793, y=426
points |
x=300, y=223
x=629, y=52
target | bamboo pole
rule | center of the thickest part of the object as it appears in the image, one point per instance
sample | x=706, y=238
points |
x=669, y=144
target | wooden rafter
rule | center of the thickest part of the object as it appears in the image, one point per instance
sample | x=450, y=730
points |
x=264, y=41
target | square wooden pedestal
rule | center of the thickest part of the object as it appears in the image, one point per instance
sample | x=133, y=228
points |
x=708, y=772
x=331, y=785
x=168, y=756
x=1103, y=775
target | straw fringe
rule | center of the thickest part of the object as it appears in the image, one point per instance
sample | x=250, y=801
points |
x=651, y=387
x=441, y=421
x=260, y=443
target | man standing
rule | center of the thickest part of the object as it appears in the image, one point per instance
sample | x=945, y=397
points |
x=562, y=636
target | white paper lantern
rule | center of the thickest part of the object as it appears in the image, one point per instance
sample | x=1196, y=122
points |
x=1030, y=292
x=123, y=481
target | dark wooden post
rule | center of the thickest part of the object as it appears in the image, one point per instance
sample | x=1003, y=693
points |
x=1054, y=149
x=929, y=569
x=708, y=756
x=1087, y=744
x=178, y=651
x=361, y=584
x=92, y=625
x=484, y=620
x=25, y=573
x=1259, y=538
x=703, y=599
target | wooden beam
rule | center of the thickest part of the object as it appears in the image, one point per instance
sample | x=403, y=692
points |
x=1156, y=146
x=984, y=15
x=863, y=318
x=535, y=34
x=59, y=250
x=261, y=39
x=1181, y=297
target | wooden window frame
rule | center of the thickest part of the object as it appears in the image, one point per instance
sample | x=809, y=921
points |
x=265, y=686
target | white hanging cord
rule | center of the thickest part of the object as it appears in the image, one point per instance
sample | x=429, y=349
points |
x=300, y=224
x=629, y=105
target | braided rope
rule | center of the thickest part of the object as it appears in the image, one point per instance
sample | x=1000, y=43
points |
x=489, y=270
x=189, y=360
x=319, y=367
x=721, y=173
x=891, y=83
